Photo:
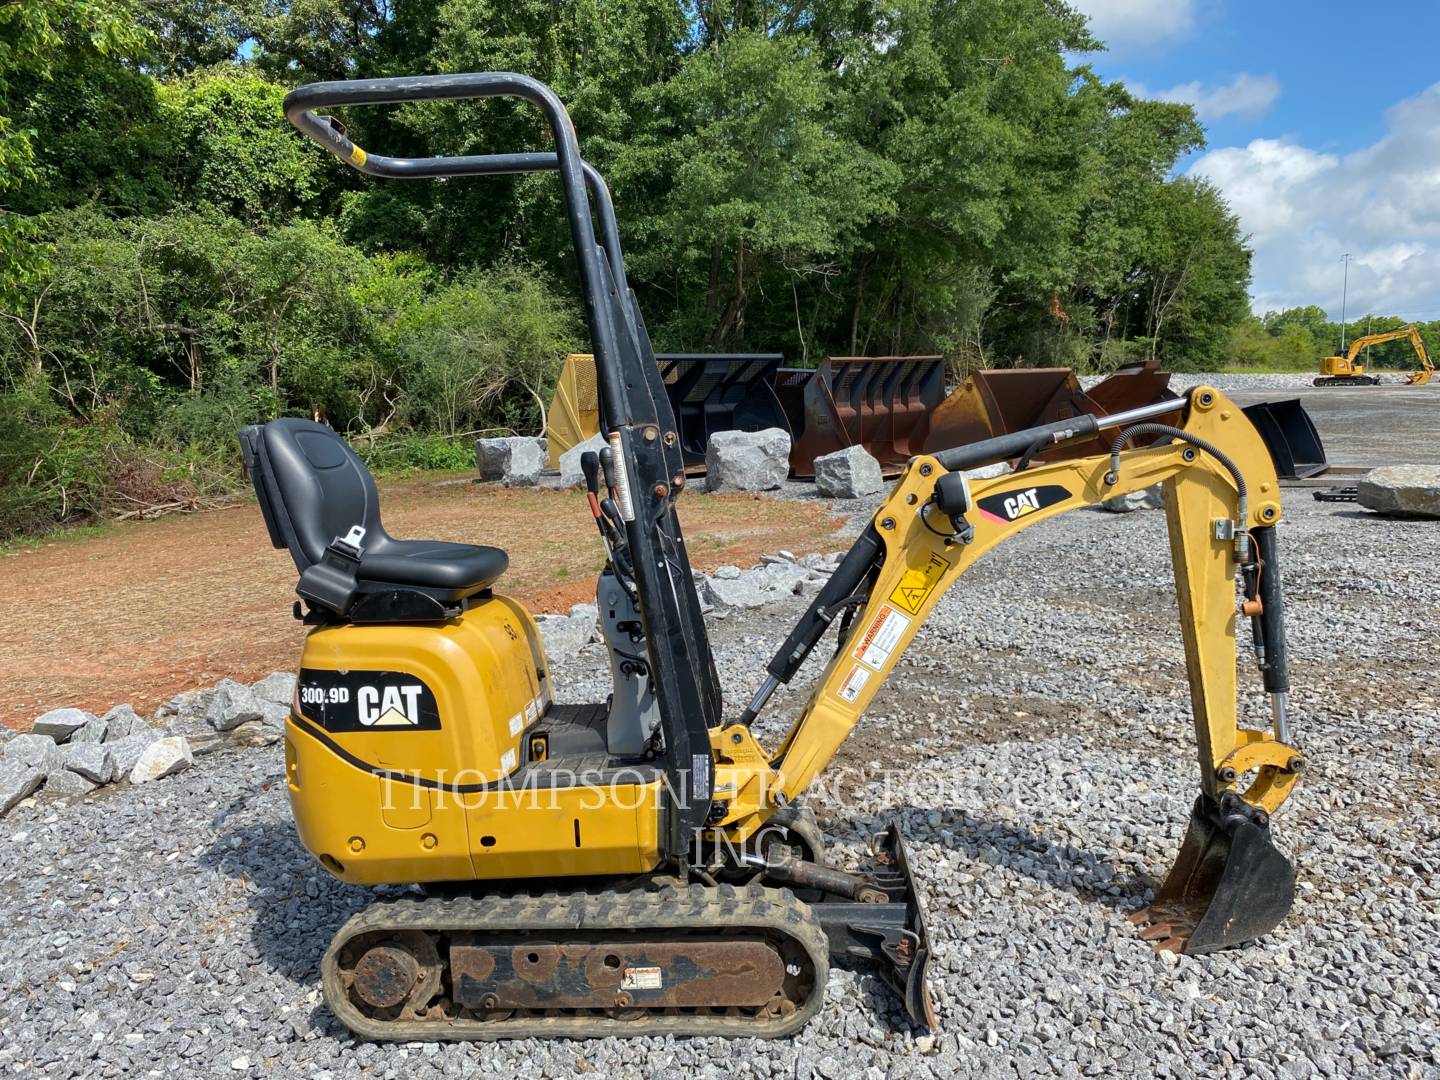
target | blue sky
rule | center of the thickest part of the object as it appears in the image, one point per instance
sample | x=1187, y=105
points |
x=1323, y=121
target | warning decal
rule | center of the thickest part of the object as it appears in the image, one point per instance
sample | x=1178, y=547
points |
x=854, y=683
x=880, y=637
x=641, y=978
x=918, y=583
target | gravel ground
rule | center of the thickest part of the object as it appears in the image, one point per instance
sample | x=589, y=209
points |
x=176, y=928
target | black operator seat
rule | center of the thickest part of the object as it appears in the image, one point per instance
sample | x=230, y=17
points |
x=314, y=490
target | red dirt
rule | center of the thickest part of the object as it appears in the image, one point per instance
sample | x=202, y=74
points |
x=150, y=609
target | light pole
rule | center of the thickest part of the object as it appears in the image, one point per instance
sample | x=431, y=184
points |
x=1344, y=295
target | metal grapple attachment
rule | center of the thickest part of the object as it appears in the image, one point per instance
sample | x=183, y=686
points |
x=1229, y=884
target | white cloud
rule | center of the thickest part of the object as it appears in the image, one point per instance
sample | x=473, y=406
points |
x=1123, y=24
x=1247, y=96
x=1304, y=209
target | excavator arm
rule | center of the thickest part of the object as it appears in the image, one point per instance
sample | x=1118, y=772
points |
x=1426, y=371
x=1222, y=505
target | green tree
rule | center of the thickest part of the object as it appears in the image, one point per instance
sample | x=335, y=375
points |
x=34, y=34
x=765, y=196
x=233, y=150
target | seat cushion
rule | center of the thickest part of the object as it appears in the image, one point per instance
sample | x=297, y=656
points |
x=432, y=564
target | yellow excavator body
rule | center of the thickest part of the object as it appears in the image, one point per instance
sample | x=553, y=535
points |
x=644, y=864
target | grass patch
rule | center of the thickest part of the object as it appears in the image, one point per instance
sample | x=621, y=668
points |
x=64, y=534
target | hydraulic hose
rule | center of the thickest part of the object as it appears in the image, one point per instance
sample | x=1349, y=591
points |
x=1241, y=488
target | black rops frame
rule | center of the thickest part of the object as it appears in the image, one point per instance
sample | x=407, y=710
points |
x=633, y=402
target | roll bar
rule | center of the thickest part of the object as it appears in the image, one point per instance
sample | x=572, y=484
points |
x=576, y=175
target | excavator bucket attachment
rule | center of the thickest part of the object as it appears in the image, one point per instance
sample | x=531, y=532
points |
x=1229, y=884
x=998, y=401
x=711, y=393
x=708, y=393
x=1290, y=436
x=882, y=403
x=574, y=413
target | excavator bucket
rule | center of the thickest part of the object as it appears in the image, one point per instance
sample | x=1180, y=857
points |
x=708, y=393
x=1229, y=884
x=711, y=393
x=883, y=403
x=1290, y=436
x=998, y=401
x=574, y=413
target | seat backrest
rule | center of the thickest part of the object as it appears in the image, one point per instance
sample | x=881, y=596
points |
x=311, y=486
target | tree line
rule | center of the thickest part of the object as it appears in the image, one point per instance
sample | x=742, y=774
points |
x=831, y=177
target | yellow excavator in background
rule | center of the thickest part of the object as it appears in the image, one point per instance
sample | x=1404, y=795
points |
x=1344, y=371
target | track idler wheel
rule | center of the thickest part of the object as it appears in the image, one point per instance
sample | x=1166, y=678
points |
x=1229, y=884
x=395, y=976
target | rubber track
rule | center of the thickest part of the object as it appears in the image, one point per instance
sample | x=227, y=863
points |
x=696, y=907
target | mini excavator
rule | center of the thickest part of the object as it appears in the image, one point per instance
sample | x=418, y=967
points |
x=644, y=865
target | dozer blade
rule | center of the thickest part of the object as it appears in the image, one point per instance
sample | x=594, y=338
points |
x=890, y=931
x=882, y=403
x=1229, y=884
x=1290, y=436
x=1002, y=400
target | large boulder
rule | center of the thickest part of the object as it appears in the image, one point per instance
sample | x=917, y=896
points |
x=34, y=751
x=17, y=781
x=162, y=758
x=278, y=688
x=1402, y=491
x=94, y=762
x=571, y=475
x=564, y=635
x=1149, y=499
x=747, y=460
x=231, y=705
x=729, y=587
x=93, y=732
x=60, y=724
x=515, y=461
x=848, y=474
x=121, y=722
x=65, y=783
x=129, y=750
x=251, y=733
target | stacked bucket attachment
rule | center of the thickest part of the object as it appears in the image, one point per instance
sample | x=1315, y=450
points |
x=999, y=401
x=883, y=403
x=708, y=392
x=720, y=393
x=895, y=407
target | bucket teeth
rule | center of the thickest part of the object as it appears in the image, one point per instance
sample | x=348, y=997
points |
x=1165, y=928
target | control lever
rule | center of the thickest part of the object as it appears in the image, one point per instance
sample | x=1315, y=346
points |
x=606, y=515
x=607, y=462
x=590, y=466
